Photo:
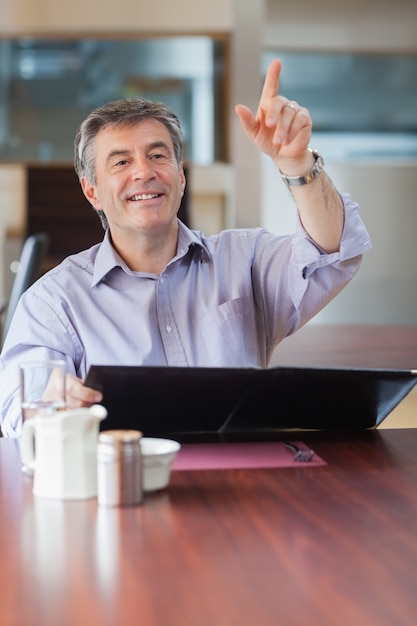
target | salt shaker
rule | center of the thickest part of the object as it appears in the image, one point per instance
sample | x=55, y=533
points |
x=119, y=468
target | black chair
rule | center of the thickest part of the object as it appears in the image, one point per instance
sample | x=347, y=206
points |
x=29, y=269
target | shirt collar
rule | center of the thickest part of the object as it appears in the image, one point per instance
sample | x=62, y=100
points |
x=190, y=238
x=107, y=258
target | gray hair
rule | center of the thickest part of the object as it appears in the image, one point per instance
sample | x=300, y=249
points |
x=121, y=113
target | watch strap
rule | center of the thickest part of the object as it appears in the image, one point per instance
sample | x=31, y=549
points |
x=316, y=170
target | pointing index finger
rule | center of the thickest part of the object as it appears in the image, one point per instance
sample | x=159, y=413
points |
x=271, y=84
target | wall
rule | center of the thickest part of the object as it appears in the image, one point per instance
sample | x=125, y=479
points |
x=12, y=209
x=339, y=25
x=94, y=16
x=385, y=289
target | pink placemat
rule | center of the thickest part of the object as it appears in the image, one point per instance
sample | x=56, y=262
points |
x=212, y=456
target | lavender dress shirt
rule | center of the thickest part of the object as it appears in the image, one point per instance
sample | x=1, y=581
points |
x=225, y=300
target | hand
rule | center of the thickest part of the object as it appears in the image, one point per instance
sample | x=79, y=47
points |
x=77, y=395
x=281, y=129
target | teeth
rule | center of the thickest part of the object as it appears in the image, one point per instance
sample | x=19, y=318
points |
x=145, y=196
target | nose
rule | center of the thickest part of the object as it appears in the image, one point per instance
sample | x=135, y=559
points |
x=142, y=169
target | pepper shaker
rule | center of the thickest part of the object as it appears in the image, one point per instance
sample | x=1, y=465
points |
x=119, y=468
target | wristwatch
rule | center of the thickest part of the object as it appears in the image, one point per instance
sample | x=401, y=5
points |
x=297, y=181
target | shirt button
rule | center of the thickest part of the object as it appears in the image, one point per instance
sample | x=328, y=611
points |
x=168, y=328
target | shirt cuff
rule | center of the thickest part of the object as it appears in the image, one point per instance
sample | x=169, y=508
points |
x=309, y=257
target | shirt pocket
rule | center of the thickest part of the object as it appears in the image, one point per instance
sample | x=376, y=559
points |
x=229, y=334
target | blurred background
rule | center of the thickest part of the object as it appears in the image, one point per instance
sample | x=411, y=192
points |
x=354, y=66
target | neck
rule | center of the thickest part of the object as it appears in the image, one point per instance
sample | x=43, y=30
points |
x=148, y=254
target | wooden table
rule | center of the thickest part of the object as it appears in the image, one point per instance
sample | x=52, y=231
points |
x=350, y=345
x=356, y=345
x=333, y=545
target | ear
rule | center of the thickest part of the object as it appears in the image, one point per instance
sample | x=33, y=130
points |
x=90, y=193
x=182, y=179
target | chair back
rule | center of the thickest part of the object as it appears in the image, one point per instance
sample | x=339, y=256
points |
x=30, y=268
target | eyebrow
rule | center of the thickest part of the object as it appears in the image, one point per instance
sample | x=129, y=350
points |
x=116, y=153
x=152, y=146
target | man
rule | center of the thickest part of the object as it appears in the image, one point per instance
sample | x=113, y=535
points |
x=156, y=293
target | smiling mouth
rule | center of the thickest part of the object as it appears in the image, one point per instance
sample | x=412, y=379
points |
x=144, y=196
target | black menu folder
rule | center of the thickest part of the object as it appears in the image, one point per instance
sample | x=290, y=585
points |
x=168, y=401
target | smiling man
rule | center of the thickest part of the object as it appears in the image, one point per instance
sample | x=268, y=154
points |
x=155, y=292
x=138, y=186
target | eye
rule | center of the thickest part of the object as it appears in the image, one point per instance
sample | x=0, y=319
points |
x=120, y=163
x=158, y=156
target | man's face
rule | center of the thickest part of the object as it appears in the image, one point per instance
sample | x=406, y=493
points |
x=139, y=183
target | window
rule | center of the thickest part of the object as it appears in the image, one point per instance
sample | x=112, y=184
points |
x=368, y=98
x=47, y=87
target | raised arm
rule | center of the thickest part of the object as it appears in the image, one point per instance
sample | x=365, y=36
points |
x=282, y=130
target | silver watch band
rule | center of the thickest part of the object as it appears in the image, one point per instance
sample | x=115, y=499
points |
x=297, y=181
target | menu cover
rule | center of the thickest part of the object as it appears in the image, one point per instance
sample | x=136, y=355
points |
x=168, y=401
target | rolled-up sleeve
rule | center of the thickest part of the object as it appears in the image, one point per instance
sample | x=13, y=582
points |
x=355, y=241
x=308, y=257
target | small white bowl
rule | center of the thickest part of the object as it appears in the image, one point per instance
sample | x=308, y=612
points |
x=157, y=456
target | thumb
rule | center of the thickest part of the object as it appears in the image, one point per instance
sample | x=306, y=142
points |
x=246, y=119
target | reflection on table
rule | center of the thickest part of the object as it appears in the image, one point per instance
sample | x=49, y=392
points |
x=328, y=544
x=324, y=544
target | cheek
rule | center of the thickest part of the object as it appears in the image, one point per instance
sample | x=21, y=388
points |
x=109, y=188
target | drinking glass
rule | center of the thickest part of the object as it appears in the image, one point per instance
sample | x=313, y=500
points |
x=42, y=389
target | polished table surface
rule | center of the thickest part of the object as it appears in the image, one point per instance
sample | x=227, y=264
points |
x=356, y=346
x=326, y=545
x=331, y=545
x=350, y=345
